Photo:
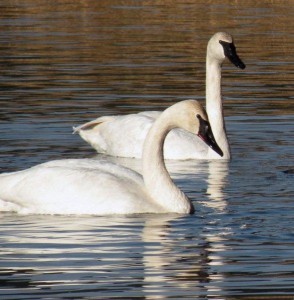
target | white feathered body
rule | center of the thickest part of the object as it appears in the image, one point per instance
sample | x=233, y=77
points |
x=76, y=186
x=124, y=136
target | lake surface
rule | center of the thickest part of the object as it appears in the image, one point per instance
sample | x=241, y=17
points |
x=67, y=62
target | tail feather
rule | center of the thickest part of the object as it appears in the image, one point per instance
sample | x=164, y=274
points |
x=92, y=124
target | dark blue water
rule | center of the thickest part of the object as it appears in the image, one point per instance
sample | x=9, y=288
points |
x=66, y=63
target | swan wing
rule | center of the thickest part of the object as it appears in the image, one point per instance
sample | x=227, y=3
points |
x=75, y=186
x=119, y=135
x=124, y=136
x=93, y=123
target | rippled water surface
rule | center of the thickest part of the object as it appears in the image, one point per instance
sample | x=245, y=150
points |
x=67, y=62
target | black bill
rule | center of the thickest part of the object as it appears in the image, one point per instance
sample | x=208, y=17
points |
x=205, y=133
x=231, y=54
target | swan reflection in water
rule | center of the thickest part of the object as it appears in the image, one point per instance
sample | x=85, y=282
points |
x=177, y=259
x=199, y=254
x=176, y=256
x=216, y=181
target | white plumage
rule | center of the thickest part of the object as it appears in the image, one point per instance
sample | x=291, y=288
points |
x=88, y=186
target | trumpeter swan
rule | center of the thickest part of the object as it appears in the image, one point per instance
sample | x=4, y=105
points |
x=88, y=186
x=124, y=135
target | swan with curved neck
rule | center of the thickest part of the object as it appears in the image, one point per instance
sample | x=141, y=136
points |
x=88, y=186
x=119, y=135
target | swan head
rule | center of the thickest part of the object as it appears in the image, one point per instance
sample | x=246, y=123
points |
x=221, y=46
x=191, y=116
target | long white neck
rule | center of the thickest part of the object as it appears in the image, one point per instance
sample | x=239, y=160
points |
x=157, y=181
x=214, y=106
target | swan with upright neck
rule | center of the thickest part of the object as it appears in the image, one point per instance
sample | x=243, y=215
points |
x=124, y=135
x=88, y=186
